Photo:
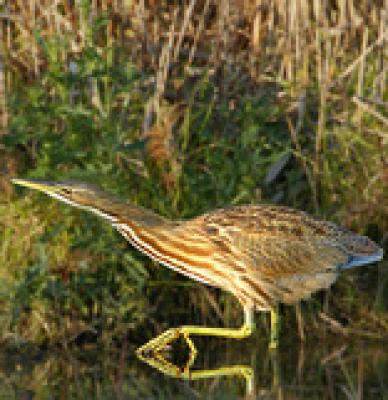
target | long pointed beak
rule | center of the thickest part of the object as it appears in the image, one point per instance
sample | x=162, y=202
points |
x=42, y=186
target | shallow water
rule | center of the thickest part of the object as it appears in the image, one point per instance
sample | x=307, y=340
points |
x=321, y=371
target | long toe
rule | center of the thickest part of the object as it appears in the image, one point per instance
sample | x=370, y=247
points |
x=160, y=344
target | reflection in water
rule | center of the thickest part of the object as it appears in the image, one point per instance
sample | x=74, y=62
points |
x=186, y=371
x=294, y=372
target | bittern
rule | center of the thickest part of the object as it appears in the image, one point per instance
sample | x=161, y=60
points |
x=262, y=254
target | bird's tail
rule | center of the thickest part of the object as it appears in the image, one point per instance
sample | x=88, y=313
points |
x=358, y=260
x=361, y=251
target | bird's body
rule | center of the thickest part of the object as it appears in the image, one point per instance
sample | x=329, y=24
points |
x=262, y=254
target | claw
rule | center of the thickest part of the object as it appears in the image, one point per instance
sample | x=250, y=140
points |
x=162, y=343
x=152, y=352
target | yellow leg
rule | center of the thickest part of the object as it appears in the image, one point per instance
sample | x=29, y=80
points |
x=152, y=352
x=158, y=362
x=162, y=341
x=275, y=328
x=239, y=370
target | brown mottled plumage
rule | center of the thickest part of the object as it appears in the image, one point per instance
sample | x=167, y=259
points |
x=263, y=254
x=284, y=254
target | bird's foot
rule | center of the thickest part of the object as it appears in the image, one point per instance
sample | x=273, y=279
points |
x=159, y=362
x=162, y=343
x=273, y=344
x=153, y=353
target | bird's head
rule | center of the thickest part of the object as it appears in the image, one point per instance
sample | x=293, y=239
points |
x=78, y=194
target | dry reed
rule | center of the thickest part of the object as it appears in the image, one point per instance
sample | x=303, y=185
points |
x=245, y=44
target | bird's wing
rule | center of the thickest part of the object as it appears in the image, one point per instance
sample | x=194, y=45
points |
x=276, y=241
x=278, y=254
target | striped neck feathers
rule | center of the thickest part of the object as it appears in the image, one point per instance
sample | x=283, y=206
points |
x=107, y=206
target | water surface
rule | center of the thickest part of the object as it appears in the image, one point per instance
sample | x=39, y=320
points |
x=321, y=370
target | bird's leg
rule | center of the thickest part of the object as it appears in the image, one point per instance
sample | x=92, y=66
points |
x=162, y=341
x=161, y=364
x=152, y=352
x=275, y=328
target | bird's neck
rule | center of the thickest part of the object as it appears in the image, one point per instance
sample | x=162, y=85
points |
x=116, y=211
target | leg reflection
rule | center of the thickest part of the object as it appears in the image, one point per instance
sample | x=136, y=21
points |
x=159, y=362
